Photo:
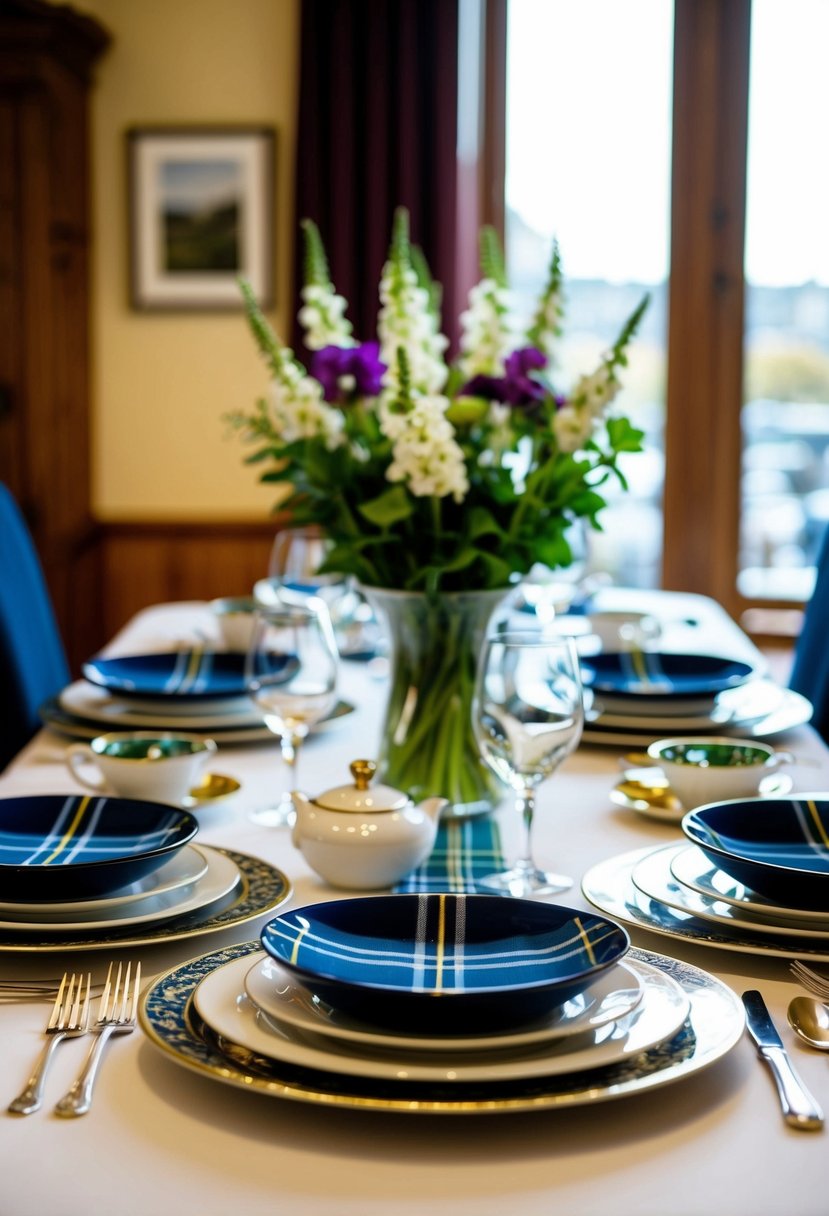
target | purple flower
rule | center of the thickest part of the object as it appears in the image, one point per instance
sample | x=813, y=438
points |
x=361, y=363
x=517, y=386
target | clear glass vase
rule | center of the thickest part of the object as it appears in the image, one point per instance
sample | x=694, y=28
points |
x=427, y=744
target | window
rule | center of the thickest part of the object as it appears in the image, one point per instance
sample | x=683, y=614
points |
x=785, y=417
x=649, y=101
x=588, y=158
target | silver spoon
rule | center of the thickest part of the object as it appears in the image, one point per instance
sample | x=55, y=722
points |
x=809, y=1019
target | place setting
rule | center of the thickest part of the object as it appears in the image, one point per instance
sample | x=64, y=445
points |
x=87, y=871
x=751, y=875
x=634, y=691
x=204, y=687
x=441, y=1003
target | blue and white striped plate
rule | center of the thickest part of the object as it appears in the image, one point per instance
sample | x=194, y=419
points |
x=182, y=675
x=638, y=674
x=778, y=847
x=448, y=962
x=74, y=846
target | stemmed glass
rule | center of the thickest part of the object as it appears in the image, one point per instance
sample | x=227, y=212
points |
x=528, y=714
x=296, y=557
x=291, y=675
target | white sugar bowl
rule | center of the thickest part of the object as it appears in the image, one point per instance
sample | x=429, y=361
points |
x=363, y=837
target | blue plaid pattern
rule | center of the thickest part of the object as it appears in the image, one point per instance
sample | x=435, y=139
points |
x=465, y=851
x=443, y=943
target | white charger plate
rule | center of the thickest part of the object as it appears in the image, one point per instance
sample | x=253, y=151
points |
x=789, y=710
x=95, y=712
x=693, y=869
x=185, y=866
x=609, y=887
x=89, y=701
x=613, y=995
x=220, y=878
x=654, y=878
x=220, y=1000
x=262, y=889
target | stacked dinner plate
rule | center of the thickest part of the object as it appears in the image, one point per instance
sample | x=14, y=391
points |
x=752, y=875
x=194, y=689
x=441, y=1003
x=86, y=872
x=639, y=695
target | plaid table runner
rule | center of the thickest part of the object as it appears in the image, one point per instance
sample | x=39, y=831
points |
x=465, y=850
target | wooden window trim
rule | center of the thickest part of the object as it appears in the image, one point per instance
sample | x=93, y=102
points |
x=703, y=439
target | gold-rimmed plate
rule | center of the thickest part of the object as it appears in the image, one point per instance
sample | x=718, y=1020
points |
x=167, y=1015
x=261, y=889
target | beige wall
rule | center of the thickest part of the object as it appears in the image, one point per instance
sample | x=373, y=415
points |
x=161, y=382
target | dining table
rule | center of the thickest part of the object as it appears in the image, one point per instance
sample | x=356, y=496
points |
x=162, y=1138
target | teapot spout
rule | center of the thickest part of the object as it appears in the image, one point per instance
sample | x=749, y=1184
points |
x=433, y=807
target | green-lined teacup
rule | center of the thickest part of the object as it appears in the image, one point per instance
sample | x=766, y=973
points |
x=157, y=765
x=715, y=769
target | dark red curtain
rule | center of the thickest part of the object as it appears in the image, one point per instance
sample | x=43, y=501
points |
x=377, y=128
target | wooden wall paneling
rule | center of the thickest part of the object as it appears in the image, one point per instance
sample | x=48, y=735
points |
x=147, y=563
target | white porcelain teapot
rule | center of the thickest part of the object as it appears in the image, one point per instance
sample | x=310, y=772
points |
x=363, y=837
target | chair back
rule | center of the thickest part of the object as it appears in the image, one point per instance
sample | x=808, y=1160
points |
x=810, y=673
x=33, y=664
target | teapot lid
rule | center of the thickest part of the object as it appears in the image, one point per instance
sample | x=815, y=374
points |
x=361, y=796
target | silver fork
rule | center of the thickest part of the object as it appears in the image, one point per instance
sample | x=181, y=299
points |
x=811, y=980
x=69, y=1018
x=116, y=1015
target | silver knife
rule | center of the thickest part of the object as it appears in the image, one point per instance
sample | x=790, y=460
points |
x=799, y=1107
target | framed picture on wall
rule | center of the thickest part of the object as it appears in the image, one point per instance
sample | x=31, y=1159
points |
x=201, y=204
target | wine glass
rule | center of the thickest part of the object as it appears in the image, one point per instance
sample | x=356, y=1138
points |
x=291, y=675
x=528, y=714
x=296, y=557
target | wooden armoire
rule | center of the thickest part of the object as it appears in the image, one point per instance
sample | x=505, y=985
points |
x=47, y=55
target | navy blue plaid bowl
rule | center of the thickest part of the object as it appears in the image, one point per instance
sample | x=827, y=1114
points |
x=78, y=846
x=778, y=847
x=443, y=962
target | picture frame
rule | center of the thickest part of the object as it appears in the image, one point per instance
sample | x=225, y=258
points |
x=201, y=216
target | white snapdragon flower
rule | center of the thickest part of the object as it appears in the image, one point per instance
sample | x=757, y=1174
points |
x=323, y=318
x=546, y=324
x=486, y=338
x=299, y=411
x=572, y=427
x=425, y=453
x=595, y=392
x=406, y=321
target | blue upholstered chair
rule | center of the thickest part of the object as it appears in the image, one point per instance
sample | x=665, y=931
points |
x=810, y=673
x=33, y=664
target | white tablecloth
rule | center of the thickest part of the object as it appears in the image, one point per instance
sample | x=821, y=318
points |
x=160, y=1139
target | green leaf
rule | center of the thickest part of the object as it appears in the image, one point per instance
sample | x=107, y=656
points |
x=482, y=522
x=316, y=269
x=492, y=257
x=623, y=436
x=388, y=508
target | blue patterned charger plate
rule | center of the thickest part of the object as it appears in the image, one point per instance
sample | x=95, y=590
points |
x=71, y=846
x=444, y=962
x=180, y=675
x=777, y=846
x=168, y=1018
x=662, y=676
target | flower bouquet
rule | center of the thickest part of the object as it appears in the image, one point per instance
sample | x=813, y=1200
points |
x=438, y=483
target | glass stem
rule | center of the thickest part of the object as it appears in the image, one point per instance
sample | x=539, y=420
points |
x=525, y=803
x=290, y=745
